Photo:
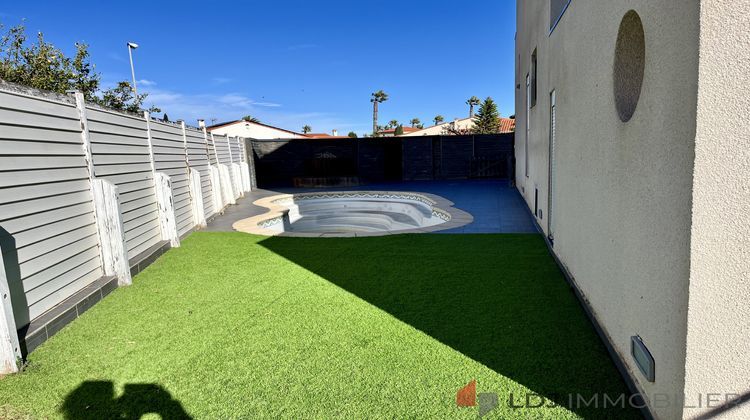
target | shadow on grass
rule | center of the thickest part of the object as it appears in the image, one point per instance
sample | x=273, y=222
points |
x=498, y=299
x=96, y=400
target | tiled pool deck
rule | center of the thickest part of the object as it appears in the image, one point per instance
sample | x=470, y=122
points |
x=497, y=207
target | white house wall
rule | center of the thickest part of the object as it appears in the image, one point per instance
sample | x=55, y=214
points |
x=254, y=131
x=623, y=190
x=718, y=339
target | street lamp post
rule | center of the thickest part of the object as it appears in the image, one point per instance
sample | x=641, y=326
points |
x=131, y=47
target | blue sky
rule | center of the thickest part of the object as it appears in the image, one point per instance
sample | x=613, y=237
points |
x=294, y=62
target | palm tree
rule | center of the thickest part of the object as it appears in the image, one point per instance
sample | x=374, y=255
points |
x=438, y=119
x=377, y=98
x=415, y=122
x=392, y=124
x=250, y=118
x=473, y=101
x=306, y=129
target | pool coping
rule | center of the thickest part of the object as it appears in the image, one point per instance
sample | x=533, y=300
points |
x=439, y=205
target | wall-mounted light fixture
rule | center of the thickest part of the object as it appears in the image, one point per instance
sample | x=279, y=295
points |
x=642, y=358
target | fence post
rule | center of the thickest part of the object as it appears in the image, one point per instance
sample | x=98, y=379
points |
x=216, y=195
x=216, y=154
x=165, y=203
x=250, y=159
x=238, y=170
x=245, y=168
x=234, y=175
x=111, y=232
x=225, y=181
x=163, y=193
x=212, y=175
x=10, y=349
x=226, y=185
x=237, y=178
x=194, y=184
x=199, y=215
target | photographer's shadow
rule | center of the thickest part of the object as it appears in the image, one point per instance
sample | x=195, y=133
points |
x=96, y=400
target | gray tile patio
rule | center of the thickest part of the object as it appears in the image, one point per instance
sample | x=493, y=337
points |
x=497, y=207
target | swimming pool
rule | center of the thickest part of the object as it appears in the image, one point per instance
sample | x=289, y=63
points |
x=353, y=213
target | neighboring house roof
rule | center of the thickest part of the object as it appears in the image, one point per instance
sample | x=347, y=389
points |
x=507, y=125
x=393, y=130
x=225, y=124
x=323, y=136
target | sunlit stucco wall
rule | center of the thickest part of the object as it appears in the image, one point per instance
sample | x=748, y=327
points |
x=718, y=339
x=622, y=204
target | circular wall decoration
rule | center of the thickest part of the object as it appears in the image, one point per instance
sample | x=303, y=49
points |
x=630, y=61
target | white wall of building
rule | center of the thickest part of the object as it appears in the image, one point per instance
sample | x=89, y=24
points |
x=718, y=337
x=254, y=131
x=622, y=190
x=436, y=130
x=650, y=216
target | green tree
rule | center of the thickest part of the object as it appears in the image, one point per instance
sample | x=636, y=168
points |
x=415, y=122
x=377, y=98
x=250, y=118
x=472, y=102
x=123, y=98
x=438, y=119
x=399, y=131
x=352, y=134
x=306, y=129
x=41, y=65
x=165, y=118
x=487, y=119
x=392, y=124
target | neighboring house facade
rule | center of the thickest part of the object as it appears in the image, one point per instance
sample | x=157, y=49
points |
x=246, y=129
x=633, y=153
x=436, y=130
x=507, y=125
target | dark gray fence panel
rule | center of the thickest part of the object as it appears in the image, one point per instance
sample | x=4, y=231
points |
x=417, y=155
x=457, y=153
x=280, y=162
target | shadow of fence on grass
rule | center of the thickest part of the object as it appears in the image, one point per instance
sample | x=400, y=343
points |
x=96, y=400
x=498, y=299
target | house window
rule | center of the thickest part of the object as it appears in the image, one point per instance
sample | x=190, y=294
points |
x=556, y=10
x=552, y=165
x=533, y=79
x=528, y=124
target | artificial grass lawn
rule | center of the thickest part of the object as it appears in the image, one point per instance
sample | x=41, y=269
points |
x=236, y=325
